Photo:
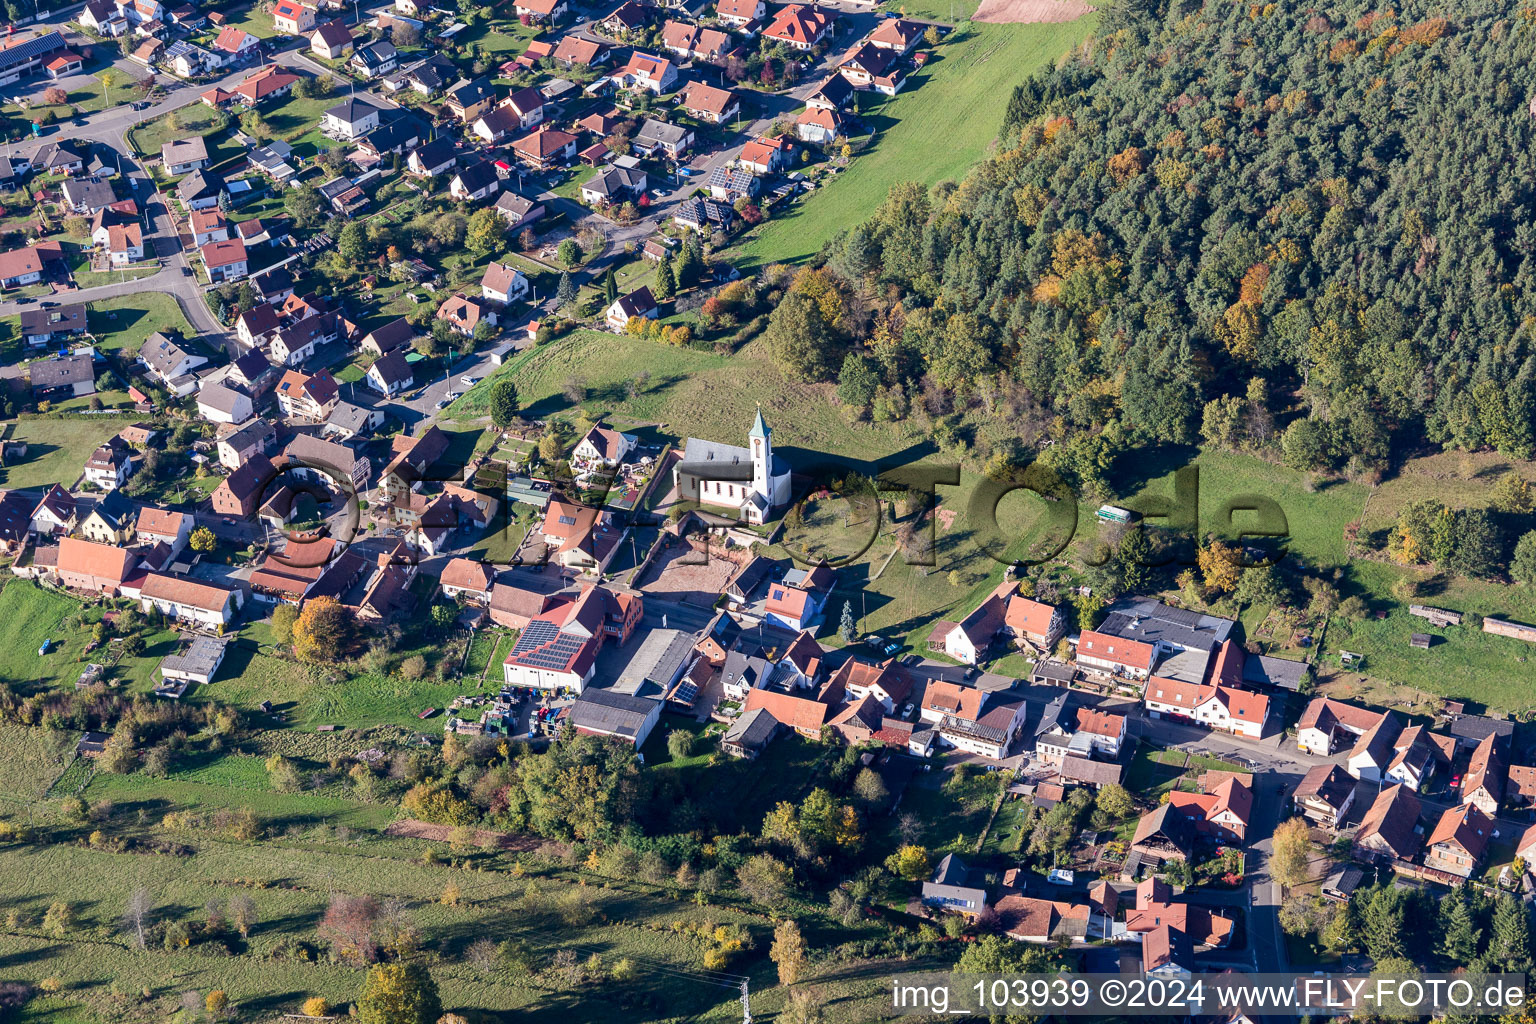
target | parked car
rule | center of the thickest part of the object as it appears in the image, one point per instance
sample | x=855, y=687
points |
x=469, y=381
x=907, y=709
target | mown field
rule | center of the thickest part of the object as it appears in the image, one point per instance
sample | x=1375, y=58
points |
x=56, y=448
x=125, y=322
x=934, y=129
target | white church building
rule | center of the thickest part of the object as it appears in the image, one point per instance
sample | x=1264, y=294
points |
x=752, y=481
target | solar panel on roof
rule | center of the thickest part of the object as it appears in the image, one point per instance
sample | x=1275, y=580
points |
x=687, y=692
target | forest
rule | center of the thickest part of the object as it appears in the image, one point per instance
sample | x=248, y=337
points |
x=1306, y=229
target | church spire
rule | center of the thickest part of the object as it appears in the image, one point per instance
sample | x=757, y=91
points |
x=759, y=427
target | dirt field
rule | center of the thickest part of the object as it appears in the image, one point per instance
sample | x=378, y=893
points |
x=1030, y=12
x=410, y=828
x=694, y=584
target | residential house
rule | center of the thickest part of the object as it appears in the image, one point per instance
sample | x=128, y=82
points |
x=750, y=734
x=644, y=72
x=432, y=158
x=374, y=60
x=670, y=140
x=184, y=599
x=168, y=361
x=467, y=579
x=225, y=260
x=1418, y=753
x=518, y=211
x=740, y=13
x=58, y=158
x=1114, y=655
x=819, y=126
x=310, y=396
x=124, y=244
x=950, y=888
x=602, y=448
x=109, y=466
x=833, y=94
x=798, y=600
x=887, y=684
x=867, y=67
x=350, y=119
x=691, y=42
x=1325, y=795
x=573, y=51
x=465, y=314
x=62, y=377
x=614, y=185
x=545, y=148
x=320, y=459
x=766, y=156
x=898, y=35
x=1326, y=725
x=53, y=325
x=1215, y=706
x=503, y=283
x=269, y=83
x=390, y=374
x=705, y=216
x=540, y=10
x=184, y=155
x=638, y=303
x=208, y=226
x=56, y=514
x=233, y=45
x=94, y=568
x=110, y=521
x=238, y=446
x=1459, y=840
x=800, y=26
x=468, y=100
x=333, y=40
x=707, y=103
x=1483, y=786
x=528, y=106
x=397, y=334
x=1221, y=809
x=579, y=536
x=20, y=267
x=219, y=403
x=87, y=194
x=240, y=493
x=348, y=421
x=162, y=526
x=475, y=182
x=292, y=18
x=626, y=20
x=1390, y=827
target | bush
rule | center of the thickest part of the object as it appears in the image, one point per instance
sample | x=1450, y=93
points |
x=316, y=1006
x=413, y=667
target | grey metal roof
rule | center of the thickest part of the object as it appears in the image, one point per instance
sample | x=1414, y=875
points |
x=1282, y=673
x=611, y=712
x=752, y=729
x=1152, y=622
x=656, y=663
x=1479, y=728
x=199, y=661
x=1050, y=717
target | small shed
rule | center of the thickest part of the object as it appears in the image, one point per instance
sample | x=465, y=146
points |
x=1420, y=640
x=91, y=744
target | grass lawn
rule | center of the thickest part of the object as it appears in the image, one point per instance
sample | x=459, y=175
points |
x=936, y=128
x=196, y=119
x=32, y=762
x=29, y=615
x=56, y=449
x=83, y=101
x=951, y=814
x=127, y=320
x=255, y=21
x=88, y=278
x=499, y=41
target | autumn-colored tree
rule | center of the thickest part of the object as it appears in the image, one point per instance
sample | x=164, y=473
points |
x=788, y=952
x=203, y=540
x=316, y=1006
x=910, y=862
x=1292, y=844
x=351, y=926
x=398, y=994
x=323, y=631
x=1220, y=565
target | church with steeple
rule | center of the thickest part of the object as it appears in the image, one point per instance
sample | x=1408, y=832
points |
x=751, y=480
